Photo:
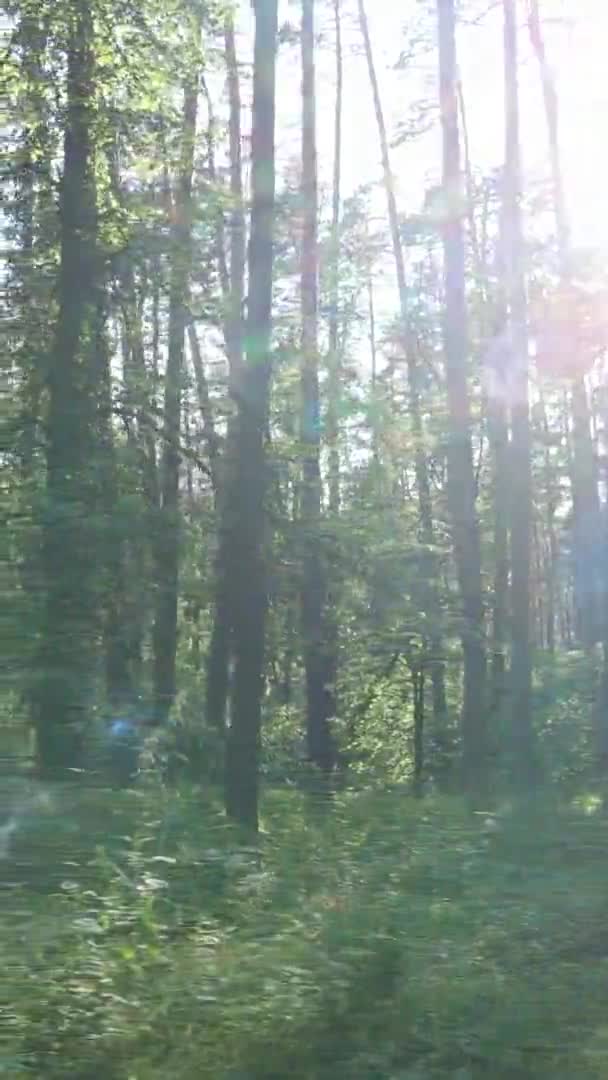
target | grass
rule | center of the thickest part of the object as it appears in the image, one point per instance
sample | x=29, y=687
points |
x=381, y=937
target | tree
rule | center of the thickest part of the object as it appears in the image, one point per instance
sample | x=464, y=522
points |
x=318, y=696
x=220, y=645
x=521, y=495
x=65, y=689
x=247, y=599
x=583, y=474
x=461, y=476
x=333, y=391
x=167, y=550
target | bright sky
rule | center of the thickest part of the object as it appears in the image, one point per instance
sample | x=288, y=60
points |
x=576, y=34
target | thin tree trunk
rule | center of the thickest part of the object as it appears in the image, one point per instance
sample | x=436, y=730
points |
x=247, y=599
x=584, y=479
x=425, y=509
x=470, y=191
x=168, y=538
x=521, y=481
x=373, y=350
x=418, y=693
x=220, y=244
x=498, y=432
x=552, y=555
x=140, y=550
x=205, y=408
x=70, y=632
x=218, y=657
x=552, y=120
x=117, y=626
x=32, y=190
x=318, y=699
x=461, y=477
x=234, y=337
x=333, y=393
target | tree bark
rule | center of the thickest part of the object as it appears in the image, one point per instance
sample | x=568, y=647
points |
x=333, y=392
x=247, y=600
x=461, y=476
x=318, y=697
x=70, y=632
x=234, y=335
x=583, y=476
x=168, y=538
x=521, y=481
x=117, y=623
x=219, y=654
x=553, y=548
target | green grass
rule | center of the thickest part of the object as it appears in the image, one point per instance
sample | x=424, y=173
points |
x=381, y=937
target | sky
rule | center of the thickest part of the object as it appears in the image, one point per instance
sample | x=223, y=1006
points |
x=576, y=34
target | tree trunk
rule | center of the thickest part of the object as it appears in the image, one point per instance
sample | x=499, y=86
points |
x=418, y=695
x=318, y=699
x=205, y=408
x=553, y=552
x=71, y=627
x=168, y=538
x=139, y=387
x=498, y=433
x=28, y=293
x=461, y=476
x=333, y=392
x=583, y=477
x=247, y=571
x=234, y=336
x=521, y=481
x=117, y=628
x=425, y=510
x=218, y=657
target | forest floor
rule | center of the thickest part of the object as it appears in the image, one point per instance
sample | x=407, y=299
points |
x=376, y=936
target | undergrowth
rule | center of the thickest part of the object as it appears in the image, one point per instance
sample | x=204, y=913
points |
x=373, y=936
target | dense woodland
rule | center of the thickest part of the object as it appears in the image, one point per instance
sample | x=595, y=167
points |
x=306, y=482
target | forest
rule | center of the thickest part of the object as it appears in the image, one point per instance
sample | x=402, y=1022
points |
x=304, y=716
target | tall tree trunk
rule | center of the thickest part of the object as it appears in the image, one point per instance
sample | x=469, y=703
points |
x=318, y=698
x=425, y=508
x=32, y=189
x=551, y=558
x=168, y=538
x=247, y=572
x=492, y=319
x=333, y=392
x=521, y=480
x=498, y=432
x=218, y=657
x=461, y=476
x=373, y=351
x=140, y=385
x=418, y=678
x=234, y=336
x=499, y=441
x=70, y=632
x=116, y=630
x=583, y=477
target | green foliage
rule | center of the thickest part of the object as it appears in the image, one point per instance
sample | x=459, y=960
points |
x=377, y=937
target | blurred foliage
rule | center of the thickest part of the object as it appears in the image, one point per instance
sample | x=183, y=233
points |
x=375, y=938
